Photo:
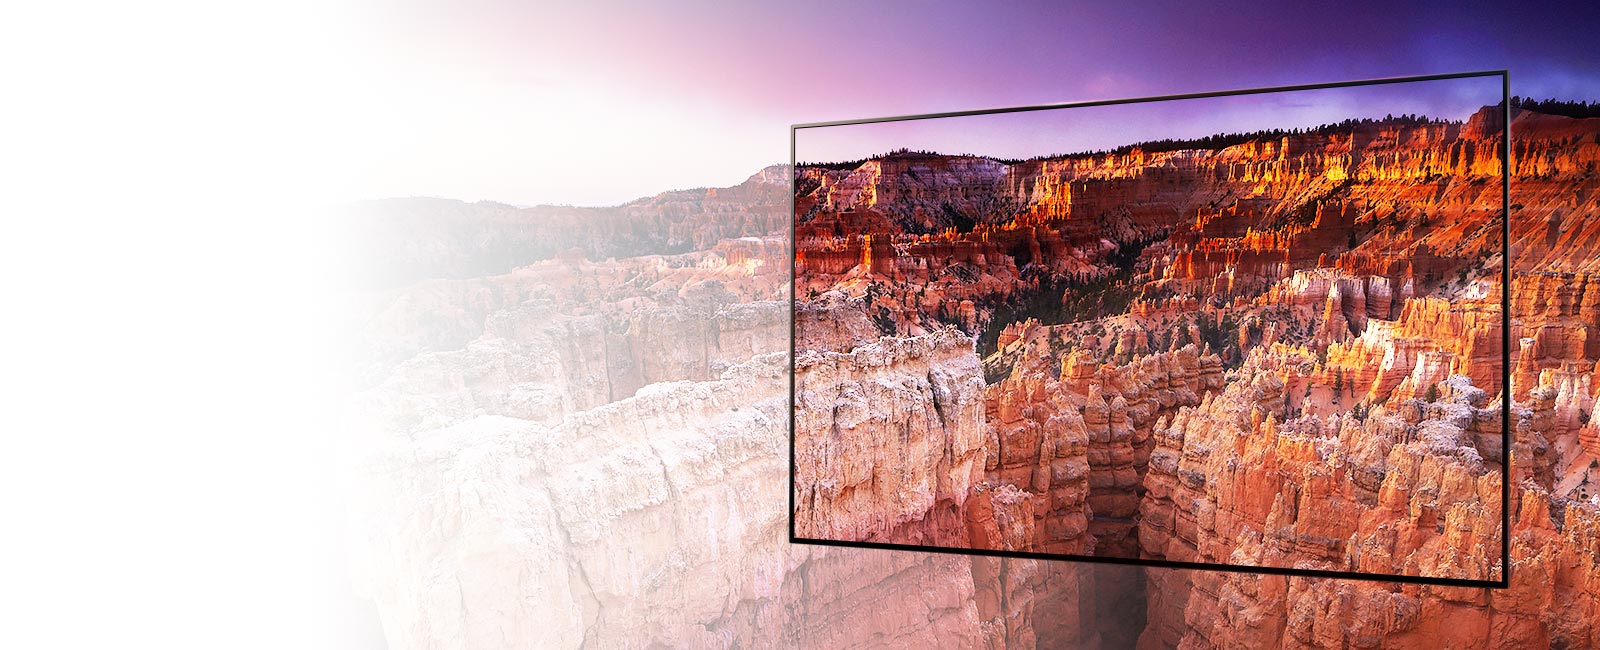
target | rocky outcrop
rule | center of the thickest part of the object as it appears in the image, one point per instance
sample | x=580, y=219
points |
x=1550, y=603
x=1380, y=492
x=910, y=192
x=476, y=517
x=889, y=439
x=1041, y=447
x=1083, y=438
x=1431, y=340
x=1412, y=495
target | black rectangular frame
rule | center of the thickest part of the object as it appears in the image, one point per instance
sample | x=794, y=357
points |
x=1505, y=346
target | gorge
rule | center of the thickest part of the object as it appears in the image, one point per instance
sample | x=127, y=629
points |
x=529, y=423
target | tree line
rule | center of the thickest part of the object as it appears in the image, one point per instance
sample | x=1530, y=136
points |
x=1576, y=109
x=1224, y=140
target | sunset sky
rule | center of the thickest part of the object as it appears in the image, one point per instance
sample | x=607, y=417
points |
x=1091, y=128
x=528, y=103
x=169, y=265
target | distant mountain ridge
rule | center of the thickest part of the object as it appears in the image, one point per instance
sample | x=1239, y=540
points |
x=404, y=240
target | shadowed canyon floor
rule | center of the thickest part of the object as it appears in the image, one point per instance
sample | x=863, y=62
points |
x=585, y=444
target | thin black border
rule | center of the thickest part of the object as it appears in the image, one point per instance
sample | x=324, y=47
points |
x=1505, y=347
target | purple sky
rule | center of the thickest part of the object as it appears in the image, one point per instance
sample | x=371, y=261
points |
x=1073, y=130
x=529, y=103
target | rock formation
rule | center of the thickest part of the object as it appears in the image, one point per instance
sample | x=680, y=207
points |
x=1270, y=379
x=593, y=453
x=563, y=449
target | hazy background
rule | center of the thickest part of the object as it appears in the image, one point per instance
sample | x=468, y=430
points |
x=170, y=474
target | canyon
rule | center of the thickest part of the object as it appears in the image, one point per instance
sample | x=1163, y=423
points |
x=1283, y=352
x=585, y=444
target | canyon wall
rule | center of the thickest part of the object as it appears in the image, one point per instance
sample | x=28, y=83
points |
x=593, y=454
x=573, y=450
x=899, y=418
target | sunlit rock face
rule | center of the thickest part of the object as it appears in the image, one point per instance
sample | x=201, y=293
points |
x=1338, y=277
x=1300, y=365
